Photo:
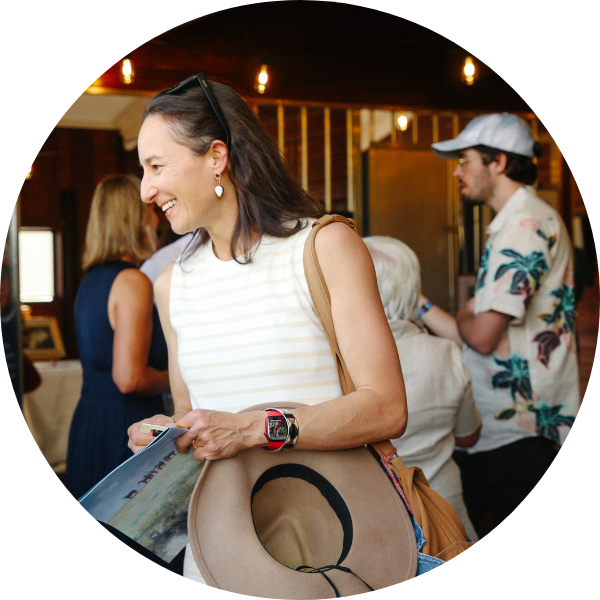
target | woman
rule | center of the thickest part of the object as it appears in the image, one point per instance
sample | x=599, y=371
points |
x=121, y=345
x=438, y=386
x=236, y=311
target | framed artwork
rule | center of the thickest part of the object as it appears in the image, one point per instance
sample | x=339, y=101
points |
x=42, y=339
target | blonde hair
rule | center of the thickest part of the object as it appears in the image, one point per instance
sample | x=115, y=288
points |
x=118, y=224
x=398, y=276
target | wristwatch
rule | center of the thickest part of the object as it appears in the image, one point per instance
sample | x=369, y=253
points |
x=281, y=429
x=427, y=306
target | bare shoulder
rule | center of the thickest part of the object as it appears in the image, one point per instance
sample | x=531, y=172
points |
x=132, y=279
x=162, y=285
x=130, y=294
x=336, y=236
x=341, y=251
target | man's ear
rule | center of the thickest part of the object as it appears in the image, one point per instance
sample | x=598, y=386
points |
x=220, y=155
x=500, y=163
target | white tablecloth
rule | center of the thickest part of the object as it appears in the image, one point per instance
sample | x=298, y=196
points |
x=49, y=409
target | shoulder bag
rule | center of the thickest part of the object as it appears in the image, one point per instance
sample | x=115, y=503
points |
x=442, y=528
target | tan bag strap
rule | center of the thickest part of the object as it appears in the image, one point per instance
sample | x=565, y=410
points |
x=320, y=295
x=383, y=450
x=322, y=301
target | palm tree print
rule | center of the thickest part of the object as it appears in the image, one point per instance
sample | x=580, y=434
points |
x=515, y=377
x=548, y=419
x=562, y=320
x=564, y=309
x=483, y=267
x=550, y=240
x=528, y=272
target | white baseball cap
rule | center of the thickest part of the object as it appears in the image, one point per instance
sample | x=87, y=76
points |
x=501, y=131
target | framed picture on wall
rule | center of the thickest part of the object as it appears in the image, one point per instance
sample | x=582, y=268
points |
x=42, y=339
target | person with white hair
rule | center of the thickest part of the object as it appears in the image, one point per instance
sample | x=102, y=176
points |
x=441, y=410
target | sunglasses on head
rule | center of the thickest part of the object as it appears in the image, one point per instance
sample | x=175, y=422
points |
x=212, y=100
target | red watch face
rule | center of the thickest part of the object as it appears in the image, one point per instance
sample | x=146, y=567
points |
x=277, y=429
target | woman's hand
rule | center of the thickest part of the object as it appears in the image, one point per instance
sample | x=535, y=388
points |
x=137, y=439
x=440, y=322
x=217, y=434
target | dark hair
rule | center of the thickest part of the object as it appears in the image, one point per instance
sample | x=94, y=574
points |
x=519, y=168
x=269, y=200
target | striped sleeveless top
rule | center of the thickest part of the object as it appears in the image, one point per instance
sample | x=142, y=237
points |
x=248, y=333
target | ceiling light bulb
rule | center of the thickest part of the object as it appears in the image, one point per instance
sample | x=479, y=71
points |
x=403, y=122
x=263, y=76
x=469, y=70
x=127, y=71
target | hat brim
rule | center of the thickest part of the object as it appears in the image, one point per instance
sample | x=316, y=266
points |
x=230, y=556
x=449, y=148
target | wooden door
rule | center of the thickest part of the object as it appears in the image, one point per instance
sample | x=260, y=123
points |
x=408, y=198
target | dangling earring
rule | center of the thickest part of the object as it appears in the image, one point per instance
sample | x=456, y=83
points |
x=218, y=188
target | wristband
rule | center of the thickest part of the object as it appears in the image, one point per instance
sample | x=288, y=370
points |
x=425, y=308
x=281, y=429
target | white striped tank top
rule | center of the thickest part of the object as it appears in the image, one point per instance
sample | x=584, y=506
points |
x=248, y=333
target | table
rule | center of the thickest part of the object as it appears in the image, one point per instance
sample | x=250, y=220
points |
x=49, y=409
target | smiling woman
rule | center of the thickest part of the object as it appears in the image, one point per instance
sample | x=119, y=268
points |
x=188, y=149
x=178, y=180
x=238, y=318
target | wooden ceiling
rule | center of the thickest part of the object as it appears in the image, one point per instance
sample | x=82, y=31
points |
x=317, y=52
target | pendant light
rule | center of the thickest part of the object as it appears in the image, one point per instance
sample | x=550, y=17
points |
x=469, y=71
x=261, y=79
x=127, y=73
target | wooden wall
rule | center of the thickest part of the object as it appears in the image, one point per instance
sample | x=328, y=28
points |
x=72, y=162
x=586, y=259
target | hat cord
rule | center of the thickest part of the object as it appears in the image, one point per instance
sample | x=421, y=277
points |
x=321, y=571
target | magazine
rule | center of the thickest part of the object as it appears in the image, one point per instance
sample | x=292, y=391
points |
x=147, y=497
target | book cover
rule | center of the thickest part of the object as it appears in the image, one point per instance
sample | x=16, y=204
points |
x=147, y=497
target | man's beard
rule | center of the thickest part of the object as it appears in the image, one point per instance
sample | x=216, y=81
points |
x=479, y=191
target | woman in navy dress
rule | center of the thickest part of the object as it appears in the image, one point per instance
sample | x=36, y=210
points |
x=121, y=345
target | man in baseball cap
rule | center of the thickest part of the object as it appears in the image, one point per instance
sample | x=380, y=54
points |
x=518, y=331
x=500, y=143
x=502, y=131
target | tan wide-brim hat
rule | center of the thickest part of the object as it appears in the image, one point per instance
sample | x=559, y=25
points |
x=256, y=518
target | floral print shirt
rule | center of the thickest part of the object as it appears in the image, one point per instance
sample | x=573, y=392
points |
x=529, y=386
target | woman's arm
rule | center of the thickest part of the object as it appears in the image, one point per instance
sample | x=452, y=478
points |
x=482, y=332
x=374, y=412
x=377, y=409
x=179, y=391
x=440, y=322
x=130, y=314
x=181, y=396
